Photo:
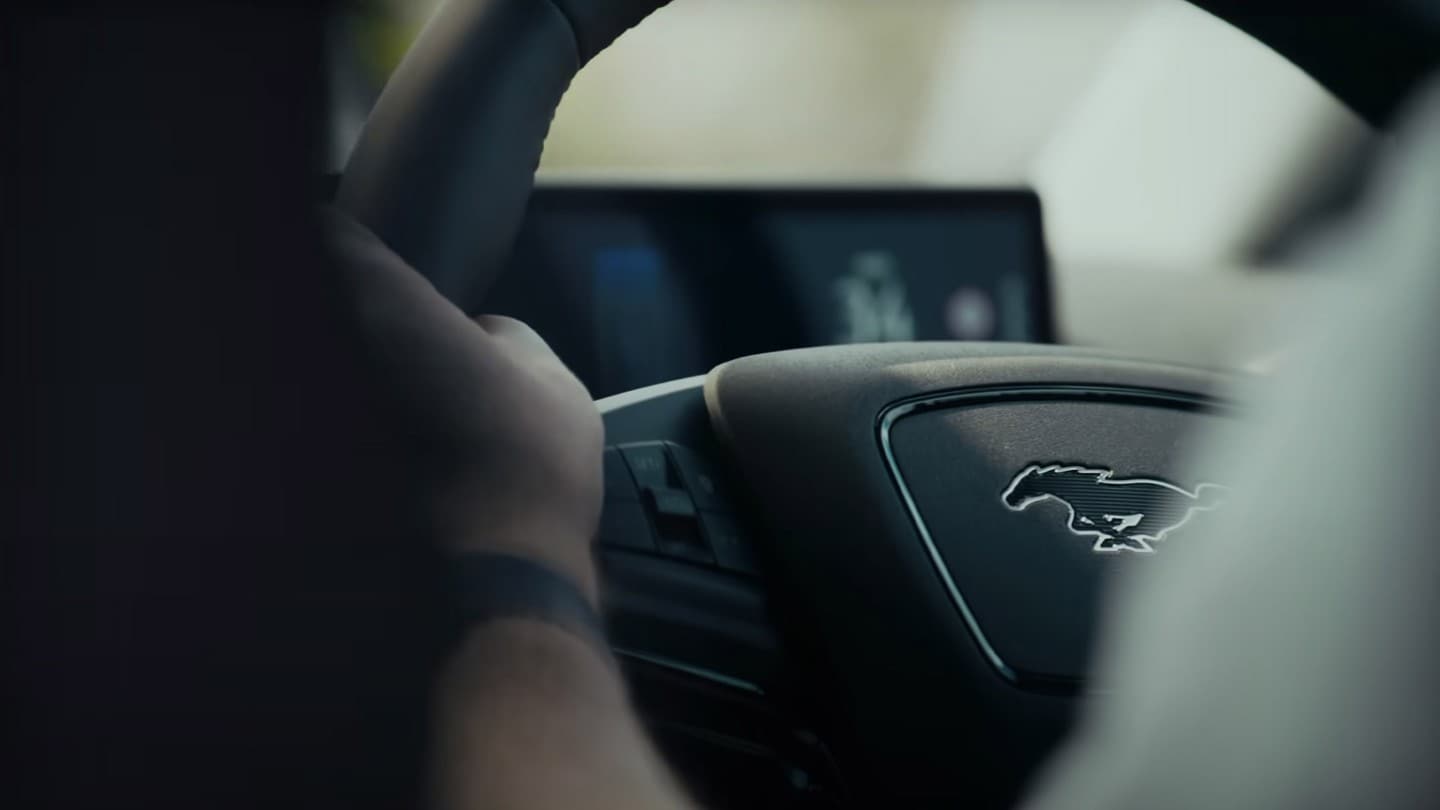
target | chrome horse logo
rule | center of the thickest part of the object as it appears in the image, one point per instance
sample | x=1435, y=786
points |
x=1122, y=514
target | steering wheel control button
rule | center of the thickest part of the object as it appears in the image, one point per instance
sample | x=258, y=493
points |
x=618, y=483
x=649, y=464
x=699, y=476
x=676, y=524
x=670, y=503
x=624, y=524
x=732, y=548
x=688, y=549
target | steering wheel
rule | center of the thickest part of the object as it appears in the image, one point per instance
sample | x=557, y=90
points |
x=861, y=574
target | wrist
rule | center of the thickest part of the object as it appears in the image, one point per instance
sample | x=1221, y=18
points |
x=492, y=587
x=560, y=543
x=564, y=550
x=550, y=524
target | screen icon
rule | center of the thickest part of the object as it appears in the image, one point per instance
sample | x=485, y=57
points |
x=873, y=302
x=970, y=314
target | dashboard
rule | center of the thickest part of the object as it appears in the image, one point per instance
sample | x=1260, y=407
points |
x=637, y=285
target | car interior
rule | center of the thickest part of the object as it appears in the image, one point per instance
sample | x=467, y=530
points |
x=813, y=581
x=881, y=431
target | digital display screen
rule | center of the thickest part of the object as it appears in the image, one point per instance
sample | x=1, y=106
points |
x=637, y=286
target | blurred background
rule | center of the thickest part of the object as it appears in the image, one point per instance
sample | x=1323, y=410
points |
x=1171, y=152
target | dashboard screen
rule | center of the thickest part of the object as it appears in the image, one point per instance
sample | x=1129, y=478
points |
x=635, y=286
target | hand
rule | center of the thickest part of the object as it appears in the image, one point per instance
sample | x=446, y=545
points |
x=518, y=439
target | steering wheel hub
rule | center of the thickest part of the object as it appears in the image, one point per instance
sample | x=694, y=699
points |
x=1029, y=497
x=945, y=517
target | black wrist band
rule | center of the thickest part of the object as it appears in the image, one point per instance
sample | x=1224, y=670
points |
x=501, y=586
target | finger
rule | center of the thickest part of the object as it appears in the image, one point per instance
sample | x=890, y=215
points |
x=516, y=333
x=367, y=264
x=381, y=286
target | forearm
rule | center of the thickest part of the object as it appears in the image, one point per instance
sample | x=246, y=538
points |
x=531, y=716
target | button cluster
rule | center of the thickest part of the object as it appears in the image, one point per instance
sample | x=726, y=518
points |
x=662, y=498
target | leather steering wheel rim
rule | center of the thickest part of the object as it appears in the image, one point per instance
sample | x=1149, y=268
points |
x=445, y=163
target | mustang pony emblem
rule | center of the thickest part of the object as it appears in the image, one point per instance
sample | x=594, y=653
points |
x=1122, y=514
